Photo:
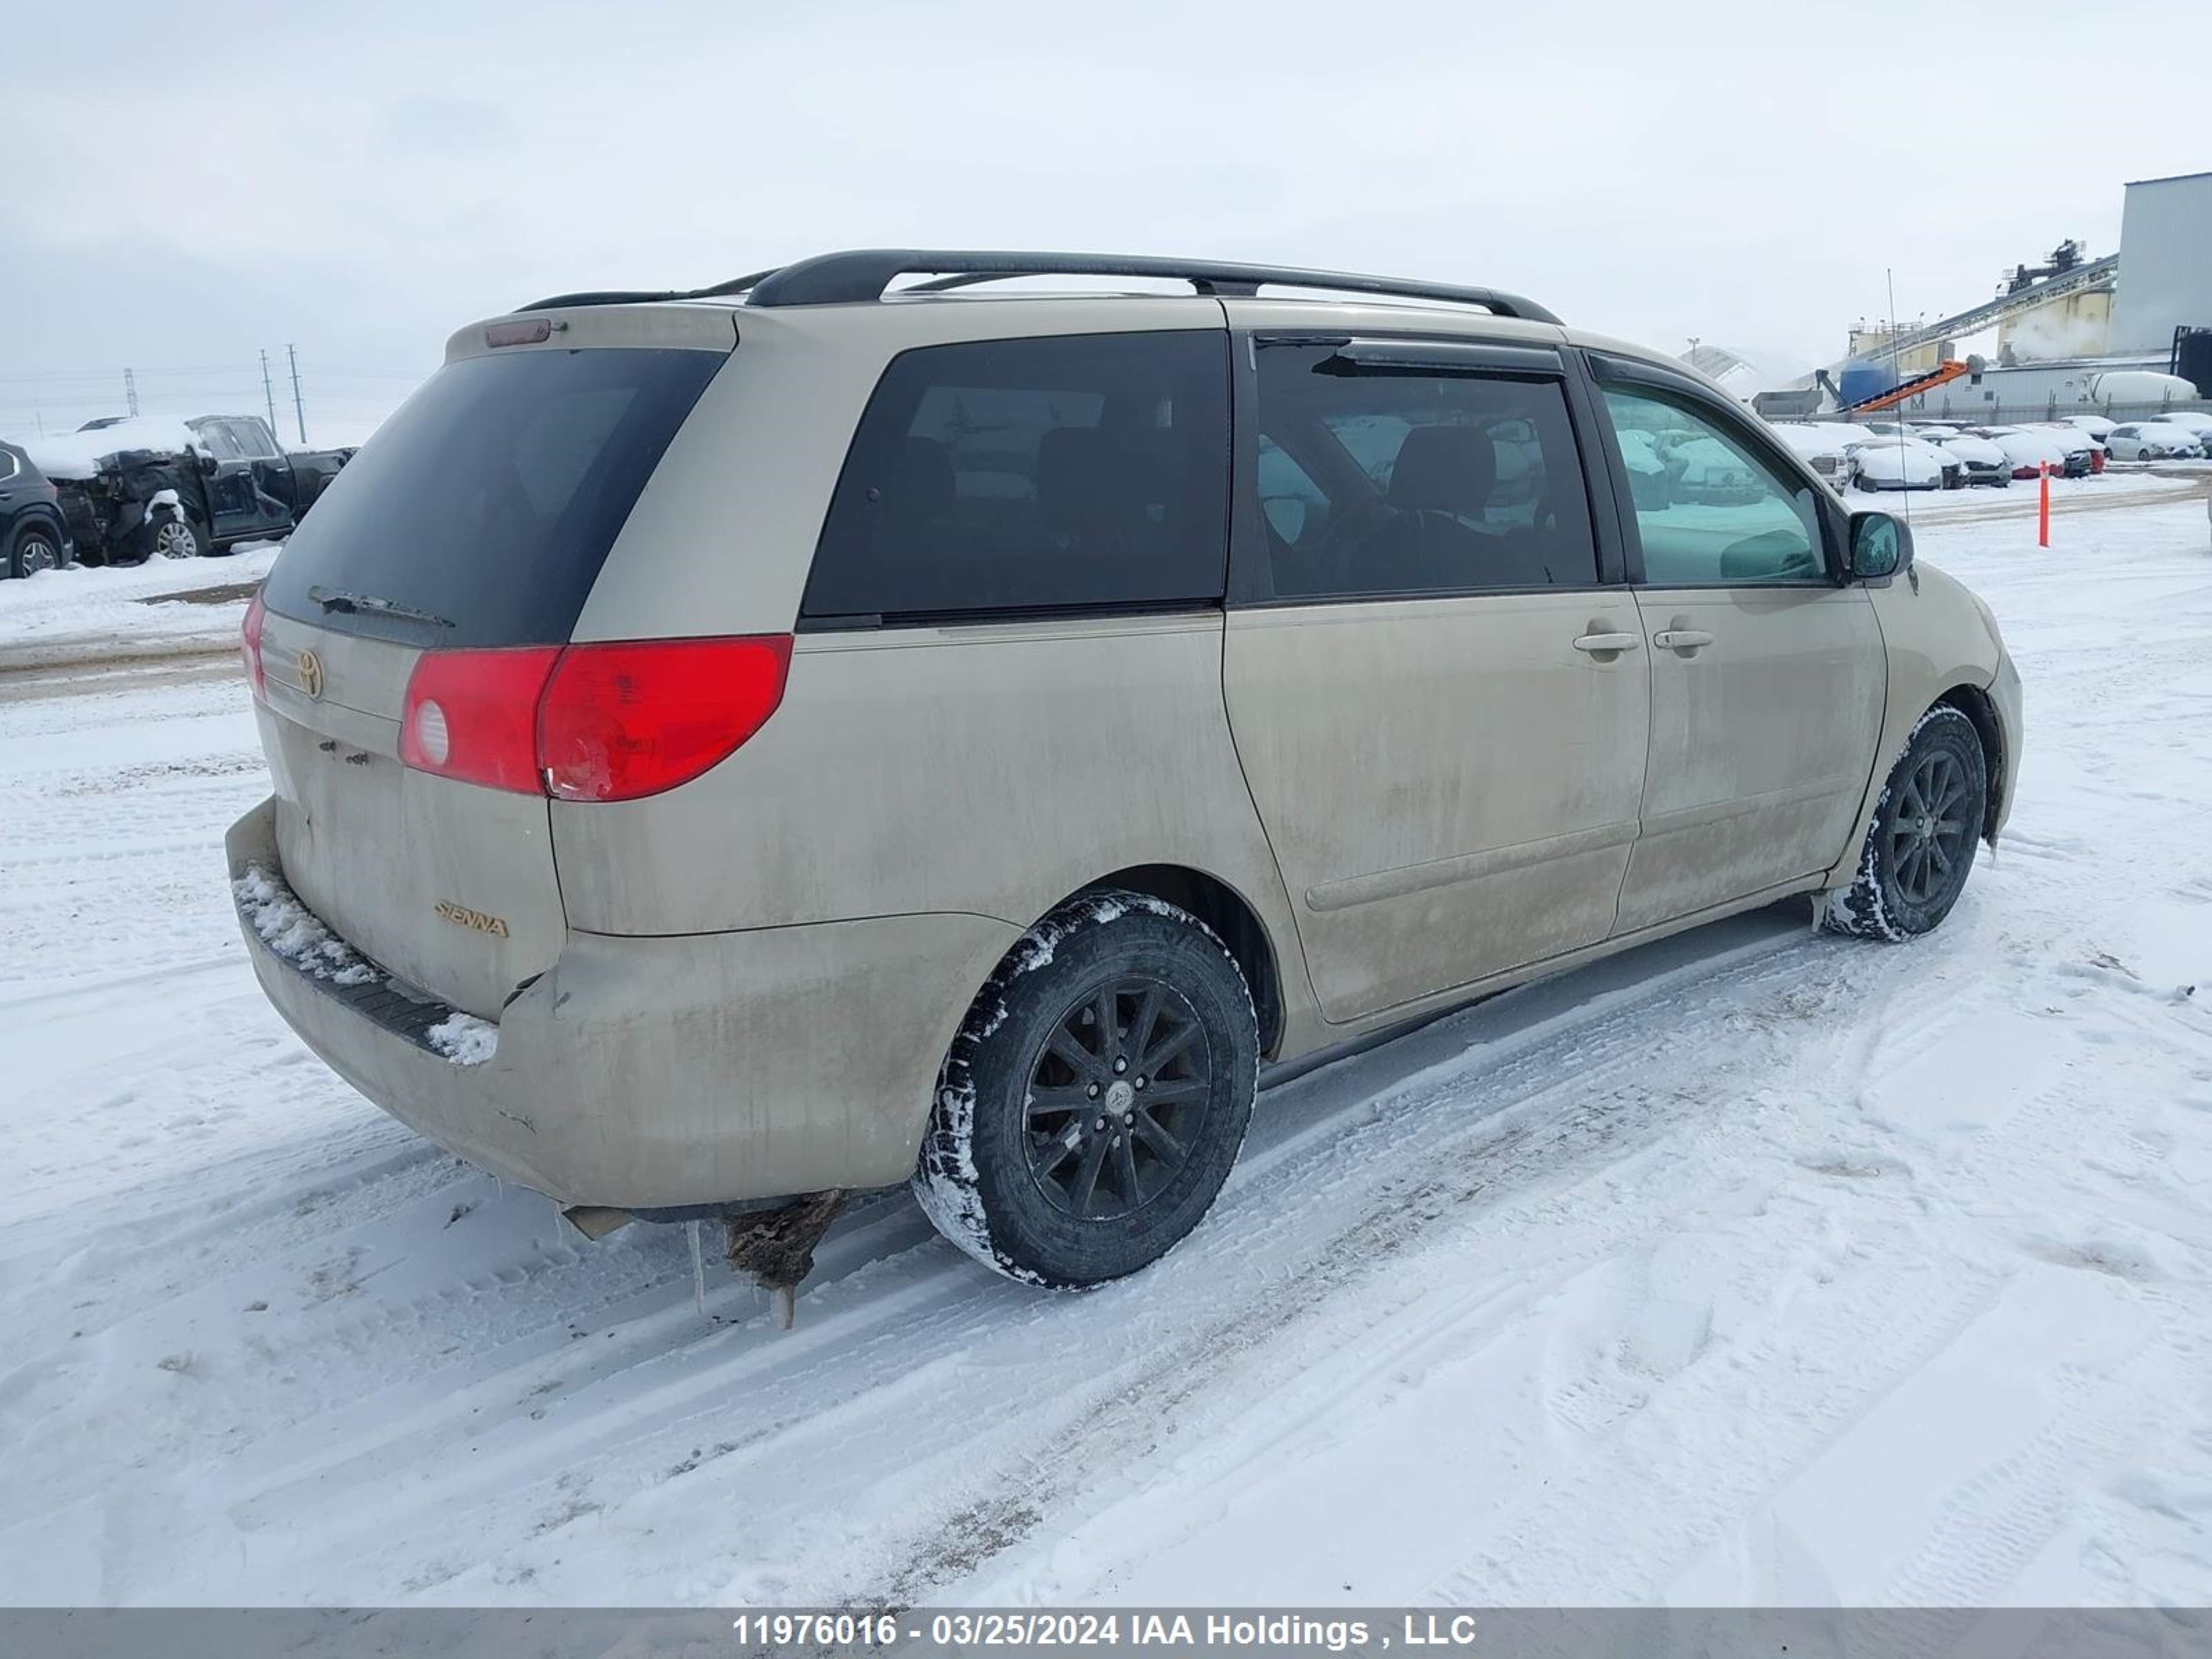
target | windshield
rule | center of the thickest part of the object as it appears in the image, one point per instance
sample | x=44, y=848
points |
x=480, y=513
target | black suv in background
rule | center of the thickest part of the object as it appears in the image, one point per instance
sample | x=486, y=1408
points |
x=33, y=535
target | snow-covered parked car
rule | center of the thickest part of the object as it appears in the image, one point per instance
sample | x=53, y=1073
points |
x=2152, y=440
x=1825, y=449
x=1983, y=462
x=2193, y=420
x=2084, y=450
x=1954, y=471
x=1902, y=463
x=2097, y=425
x=2028, y=451
x=1649, y=484
x=1701, y=470
x=147, y=485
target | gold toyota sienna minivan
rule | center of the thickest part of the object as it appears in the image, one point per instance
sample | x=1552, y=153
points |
x=866, y=723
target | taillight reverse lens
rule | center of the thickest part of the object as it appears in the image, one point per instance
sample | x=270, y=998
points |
x=633, y=718
x=249, y=645
x=473, y=715
x=598, y=722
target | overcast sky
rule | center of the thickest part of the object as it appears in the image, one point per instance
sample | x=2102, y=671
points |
x=190, y=183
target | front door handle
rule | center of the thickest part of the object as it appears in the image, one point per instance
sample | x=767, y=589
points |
x=1687, y=640
x=1600, y=644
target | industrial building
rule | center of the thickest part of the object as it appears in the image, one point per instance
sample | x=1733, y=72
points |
x=2126, y=333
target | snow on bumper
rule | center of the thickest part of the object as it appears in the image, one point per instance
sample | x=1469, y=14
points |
x=644, y=1074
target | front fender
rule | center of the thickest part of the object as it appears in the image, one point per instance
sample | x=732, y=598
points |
x=1937, y=642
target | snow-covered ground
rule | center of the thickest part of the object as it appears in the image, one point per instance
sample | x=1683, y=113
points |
x=1757, y=1265
x=163, y=608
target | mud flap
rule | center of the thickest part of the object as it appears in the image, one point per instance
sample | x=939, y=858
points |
x=776, y=1246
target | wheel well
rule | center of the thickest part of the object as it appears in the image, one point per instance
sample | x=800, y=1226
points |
x=1221, y=908
x=37, y=519
x=1974, y=703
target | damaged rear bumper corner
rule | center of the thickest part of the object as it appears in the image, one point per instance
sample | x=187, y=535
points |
x=656, y=1073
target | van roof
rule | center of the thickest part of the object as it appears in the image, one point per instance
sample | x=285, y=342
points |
x=865, y=275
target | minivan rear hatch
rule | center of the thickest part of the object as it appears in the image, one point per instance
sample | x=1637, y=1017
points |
x=476, y=519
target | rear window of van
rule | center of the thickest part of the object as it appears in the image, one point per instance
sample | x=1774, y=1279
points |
x=481, y=512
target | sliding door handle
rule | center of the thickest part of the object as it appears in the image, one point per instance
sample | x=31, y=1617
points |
x=1599, y=644
x=1684, y=640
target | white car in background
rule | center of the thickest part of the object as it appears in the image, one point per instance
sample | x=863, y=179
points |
x=2097, y=425
x=1826, y=449
x=1984, y=461
x=2199, y=423
x=1897, y=463
x=2152, y=440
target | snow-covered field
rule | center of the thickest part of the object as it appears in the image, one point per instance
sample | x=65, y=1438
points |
x=1754, y=1266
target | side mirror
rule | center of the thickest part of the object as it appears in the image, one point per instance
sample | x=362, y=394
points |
x=207, y=464
x=1881, y=546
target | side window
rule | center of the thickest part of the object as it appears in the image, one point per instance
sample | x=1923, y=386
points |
x=1379, y=480
x=215, y=437
x=253, y=440
x=1034, y=474
x=1709, y=511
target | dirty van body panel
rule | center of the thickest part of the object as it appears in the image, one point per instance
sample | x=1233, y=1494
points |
x=1450, y=786
x=476, y=519
x=990, y=769
x=662, y=1074
x=1761, y=743
x=1935, y=641
x=373, y=848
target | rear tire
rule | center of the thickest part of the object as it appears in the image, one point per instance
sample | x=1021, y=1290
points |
x=1921, y=846
x=1097, y=1095
x=37, y=549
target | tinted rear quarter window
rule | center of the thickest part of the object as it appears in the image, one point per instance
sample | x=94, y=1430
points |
x=1037, y=474
x=491, y=497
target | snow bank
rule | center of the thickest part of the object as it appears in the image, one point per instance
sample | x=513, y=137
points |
x=115, y=608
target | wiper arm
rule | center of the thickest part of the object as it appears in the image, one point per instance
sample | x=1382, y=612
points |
x=348, y=603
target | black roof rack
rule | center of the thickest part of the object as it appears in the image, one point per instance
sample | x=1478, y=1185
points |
x=865, y=274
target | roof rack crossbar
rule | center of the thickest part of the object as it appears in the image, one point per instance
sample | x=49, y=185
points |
x=862, y=275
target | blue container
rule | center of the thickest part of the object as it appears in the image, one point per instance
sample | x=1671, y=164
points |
x=1862, y=378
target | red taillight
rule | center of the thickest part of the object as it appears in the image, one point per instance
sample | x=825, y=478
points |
x=598, y=722
x=473, y=715
x=629, y=719
x=249, y=644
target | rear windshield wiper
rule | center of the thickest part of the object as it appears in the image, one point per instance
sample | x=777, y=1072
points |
x=342, y=600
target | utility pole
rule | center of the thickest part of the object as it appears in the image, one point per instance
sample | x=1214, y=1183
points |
x=268, y=395
x=299, y=406
x=131, y=390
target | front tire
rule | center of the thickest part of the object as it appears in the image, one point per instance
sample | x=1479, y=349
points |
x=1097, y=1095
x=1921, y=846
x=176, y=537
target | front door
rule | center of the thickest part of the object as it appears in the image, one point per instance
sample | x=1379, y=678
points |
x=1767, y=679
x=1440, y=706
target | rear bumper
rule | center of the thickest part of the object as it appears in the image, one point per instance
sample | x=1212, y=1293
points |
x=657, y=1073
